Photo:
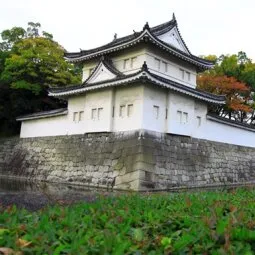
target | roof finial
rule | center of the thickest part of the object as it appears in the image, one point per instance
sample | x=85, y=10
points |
x=144, y=67
x=115, y=37
x=146, y=26
x=174, y=18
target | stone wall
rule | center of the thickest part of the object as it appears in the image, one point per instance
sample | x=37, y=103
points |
x=99, y=159
x=138, y=160
x=189, y=162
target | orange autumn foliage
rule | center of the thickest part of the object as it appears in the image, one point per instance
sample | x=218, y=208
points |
x=237, y=93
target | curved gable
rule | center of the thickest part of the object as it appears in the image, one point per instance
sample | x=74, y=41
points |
x=100, y=74
x=174, y=39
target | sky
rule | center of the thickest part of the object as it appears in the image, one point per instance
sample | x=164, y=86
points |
x=207, y=26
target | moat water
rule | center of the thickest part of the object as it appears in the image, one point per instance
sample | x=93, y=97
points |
x=35, y=195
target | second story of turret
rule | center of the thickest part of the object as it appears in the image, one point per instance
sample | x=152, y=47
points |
x=161, y=47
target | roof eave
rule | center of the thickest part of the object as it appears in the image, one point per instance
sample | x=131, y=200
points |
x=146, y=36
x=144, y=76
x=28, y=117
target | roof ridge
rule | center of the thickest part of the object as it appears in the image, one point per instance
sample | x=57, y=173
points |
x=200, y=63
x=238, y=123
x=42, y=113
x=188, y=88
x=144, y=69
x=117, y=40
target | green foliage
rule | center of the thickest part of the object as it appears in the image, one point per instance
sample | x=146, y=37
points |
x=240, y=67
x=30, y=62
x=185, y=223
x=37, y=61
x=11, y=36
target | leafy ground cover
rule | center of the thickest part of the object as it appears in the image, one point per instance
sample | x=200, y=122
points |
x=204, y=222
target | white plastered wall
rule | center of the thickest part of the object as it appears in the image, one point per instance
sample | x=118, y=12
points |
x=126, y=97
x=225, y=133
x=51, y=126
x=97, y=101
x=170, y=68
x=199, y=121
x=154, y=108
x=181, y=111
x=185, y=116
x=138, y=56
x=76, y=104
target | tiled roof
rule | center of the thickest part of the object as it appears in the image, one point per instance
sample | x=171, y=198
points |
x=157, y=30
x=116, y=42
x=215, y=117
x=189, y=89
x=145, y=76
x=146, y=35
x=45, y=114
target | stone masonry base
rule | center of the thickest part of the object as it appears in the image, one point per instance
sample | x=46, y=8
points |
x=134, y=160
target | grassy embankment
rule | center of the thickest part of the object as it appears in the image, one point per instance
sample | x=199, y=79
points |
x=205, y=222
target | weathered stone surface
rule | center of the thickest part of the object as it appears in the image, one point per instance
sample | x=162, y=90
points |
x=184, y=161
x=90, y=159
x=138, y=160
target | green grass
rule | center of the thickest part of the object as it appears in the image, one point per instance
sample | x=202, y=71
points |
x=205, y=222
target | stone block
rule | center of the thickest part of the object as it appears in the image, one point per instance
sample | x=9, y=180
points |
x=127, y=177
x=144, y=166
x=163, y=159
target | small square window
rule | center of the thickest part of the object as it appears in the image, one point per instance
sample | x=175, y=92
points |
x=157, y=64
x=185, y=117
x=75, y=116
x=126, y=64
x=164, y=66
x=156, y=111
x=133, y=60
x=113, y=110
x=100, y=113
x=81, y=115
x=182, y=73
x=188, y=76
x=122, y=110
x=179, y=117
x=94, y=114
x=199, y=121
x=130, y=110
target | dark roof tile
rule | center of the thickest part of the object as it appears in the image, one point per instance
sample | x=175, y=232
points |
x=158, y=79
x=50, y=113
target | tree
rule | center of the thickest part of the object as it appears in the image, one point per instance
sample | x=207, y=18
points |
x=233, y=76
x=237, y=95
x=11, y=36
x=248, y=75
x=30, y=62
x=236, y=65
x=16, y=34
x=36, y=63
